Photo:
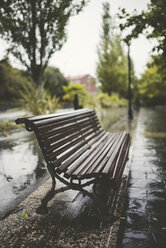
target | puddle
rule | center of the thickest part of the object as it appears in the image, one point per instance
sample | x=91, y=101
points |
x=21, y=168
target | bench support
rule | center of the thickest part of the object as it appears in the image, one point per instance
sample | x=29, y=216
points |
x=42, y=209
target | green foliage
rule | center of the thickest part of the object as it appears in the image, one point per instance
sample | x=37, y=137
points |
x=38, y=101
x=152, y=87
x=113, y=101
x=7, y=125
x=104, y=100
x=25, y=214
x=36, y=29
x=112, y=67
x=150, y=22
x=11, y=81
x=72, y=89
x=89, y=101
x=53, y=81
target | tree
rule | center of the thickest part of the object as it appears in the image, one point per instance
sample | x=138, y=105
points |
x=35, y=29
x=150, y=22
x=112, y=65
x=11, y=81
x=54, y=81
x=72, y=89
x=152, y=88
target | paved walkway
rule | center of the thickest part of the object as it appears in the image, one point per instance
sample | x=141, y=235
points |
x=146, y=203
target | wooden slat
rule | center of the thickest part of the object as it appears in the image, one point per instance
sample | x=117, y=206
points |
x=100, y=153
x=62, y=117
x=45, y=129
x=49, y=124
x=84, y=145
x=111, y=159
x=80, y=141
x=64, y=166
x=88, y=156
x=63, y=129
x=122, y=158
x=98, y=167
x=101, y=159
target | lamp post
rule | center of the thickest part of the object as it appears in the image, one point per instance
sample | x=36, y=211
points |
x=130, y=113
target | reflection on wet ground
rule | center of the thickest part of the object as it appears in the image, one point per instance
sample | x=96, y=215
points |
x=21, y=168
x=145, y=224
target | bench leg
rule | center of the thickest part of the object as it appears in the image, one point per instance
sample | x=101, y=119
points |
x=42, y=209
x=103, y=192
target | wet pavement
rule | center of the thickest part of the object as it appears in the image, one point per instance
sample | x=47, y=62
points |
x=22, y=168
x=144, y=221
x=11, y=115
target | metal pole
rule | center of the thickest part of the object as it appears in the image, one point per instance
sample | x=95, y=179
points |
x=130, y=113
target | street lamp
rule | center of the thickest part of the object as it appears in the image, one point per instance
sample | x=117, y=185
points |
x=130, y=113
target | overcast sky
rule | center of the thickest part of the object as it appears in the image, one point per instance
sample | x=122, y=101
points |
x=79, y=53
x=79, y=56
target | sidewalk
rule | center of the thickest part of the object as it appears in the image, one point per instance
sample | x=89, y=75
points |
x=56, y=229
x=146, y=200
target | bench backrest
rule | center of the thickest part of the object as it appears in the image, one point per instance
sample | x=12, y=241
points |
x=64, y=136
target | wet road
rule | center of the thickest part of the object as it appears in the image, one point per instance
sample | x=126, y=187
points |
x=145, y=222
x=22, y=168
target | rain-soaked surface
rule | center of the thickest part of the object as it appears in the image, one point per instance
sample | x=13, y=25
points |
x=21, y=168
x=144, y=220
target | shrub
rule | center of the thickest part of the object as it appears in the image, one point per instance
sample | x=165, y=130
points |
x=38, y=101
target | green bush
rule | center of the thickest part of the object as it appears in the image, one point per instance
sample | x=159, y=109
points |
x=7, y=125
x=38, y=101
x=113, y=101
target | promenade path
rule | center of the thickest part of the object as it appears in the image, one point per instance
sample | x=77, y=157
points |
x=145, y=222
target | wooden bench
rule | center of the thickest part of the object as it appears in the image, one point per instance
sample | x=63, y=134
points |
x=78, y=152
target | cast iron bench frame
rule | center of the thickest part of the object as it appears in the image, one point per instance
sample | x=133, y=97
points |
x=78, y=152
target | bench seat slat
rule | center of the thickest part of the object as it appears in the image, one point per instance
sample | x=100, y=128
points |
x=111, y=155
x=112, y=158
x=84, y=145
x=87, y=157
x=68, y=162
x=122, y=159
x=98, y=166
x=100, y=152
